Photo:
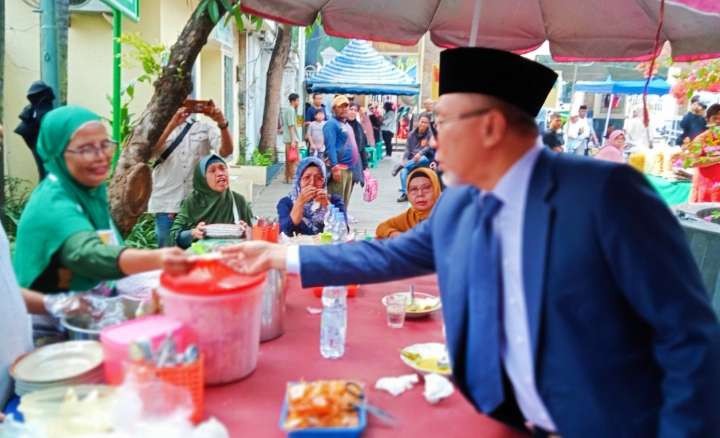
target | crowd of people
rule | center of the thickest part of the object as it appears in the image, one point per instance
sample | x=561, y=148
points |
x=67, y=241
x=531, y=343
x=75, y=246
x=625, y=342
x=577, y=135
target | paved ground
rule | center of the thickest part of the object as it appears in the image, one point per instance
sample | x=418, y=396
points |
x=367, y=215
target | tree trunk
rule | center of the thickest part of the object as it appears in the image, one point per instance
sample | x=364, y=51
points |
x=276, y=69
x=132, y=183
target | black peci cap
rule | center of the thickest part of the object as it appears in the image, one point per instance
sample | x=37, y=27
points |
x=503, y=75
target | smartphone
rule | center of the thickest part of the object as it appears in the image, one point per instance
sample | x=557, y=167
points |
x=198, y=106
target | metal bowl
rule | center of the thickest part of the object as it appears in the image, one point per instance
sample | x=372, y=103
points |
x=77, y=328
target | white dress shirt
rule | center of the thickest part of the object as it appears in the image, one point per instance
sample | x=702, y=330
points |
x=515, y=346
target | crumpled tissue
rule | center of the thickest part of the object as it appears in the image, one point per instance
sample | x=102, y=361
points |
x=437, y=387
x=397, y=385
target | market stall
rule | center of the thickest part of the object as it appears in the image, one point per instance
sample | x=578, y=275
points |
x=656, y=86
x=360, y=69
x=673, y=192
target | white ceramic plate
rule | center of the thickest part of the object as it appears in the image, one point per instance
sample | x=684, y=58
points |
x=24, y=388
x=224, y=231
x=65, y=360
x=428, y=356
x=425, y=304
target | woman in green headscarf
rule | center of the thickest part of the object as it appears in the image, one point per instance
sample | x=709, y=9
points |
x=211, y=202
x=66, y=239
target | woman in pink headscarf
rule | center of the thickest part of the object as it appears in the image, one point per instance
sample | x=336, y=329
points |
x=614, y=147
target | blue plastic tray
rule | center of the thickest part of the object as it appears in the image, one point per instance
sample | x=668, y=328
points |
x=326, y=432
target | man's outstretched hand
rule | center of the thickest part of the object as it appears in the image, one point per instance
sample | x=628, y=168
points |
x=255, y=257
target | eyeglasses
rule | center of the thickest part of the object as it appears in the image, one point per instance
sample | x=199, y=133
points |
x=312, y=179
x=422, y=189
x=467, y=115
x=89, y=151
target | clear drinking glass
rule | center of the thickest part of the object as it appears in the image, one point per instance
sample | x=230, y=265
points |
x=396, y=310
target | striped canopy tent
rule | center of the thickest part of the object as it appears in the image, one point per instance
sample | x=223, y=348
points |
x=360, y=69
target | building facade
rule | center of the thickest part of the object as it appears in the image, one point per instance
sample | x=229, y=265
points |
x=231, y=69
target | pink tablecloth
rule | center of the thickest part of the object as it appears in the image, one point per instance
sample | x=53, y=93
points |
x=251, y=407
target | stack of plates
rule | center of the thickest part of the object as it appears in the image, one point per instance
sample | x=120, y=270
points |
x=64, y=364
x=224, y=231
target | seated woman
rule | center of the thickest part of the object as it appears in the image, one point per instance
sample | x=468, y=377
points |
x=66, y=239
x=210, y=202
x=423, y=191
x=614, y=147
x=303, y=210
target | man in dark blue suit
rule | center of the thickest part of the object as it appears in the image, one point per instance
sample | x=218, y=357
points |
x=571, y=301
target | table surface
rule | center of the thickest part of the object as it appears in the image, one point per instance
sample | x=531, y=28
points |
x=251, y=407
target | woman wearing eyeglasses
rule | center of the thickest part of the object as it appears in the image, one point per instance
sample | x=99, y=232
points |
x=423, y=191
x=66, y=238
x=303, y=210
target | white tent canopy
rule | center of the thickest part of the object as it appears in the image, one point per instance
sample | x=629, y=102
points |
x=608, y=30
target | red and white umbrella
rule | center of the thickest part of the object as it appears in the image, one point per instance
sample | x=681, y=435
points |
x=601, y=30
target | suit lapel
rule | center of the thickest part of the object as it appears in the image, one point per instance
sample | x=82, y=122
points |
x=536, y=234
x=455, y=292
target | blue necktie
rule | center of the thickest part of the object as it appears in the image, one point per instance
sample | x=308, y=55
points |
x=483, y=372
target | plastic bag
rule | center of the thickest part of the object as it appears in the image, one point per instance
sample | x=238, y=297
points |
x=370, y=191
x=148, y=408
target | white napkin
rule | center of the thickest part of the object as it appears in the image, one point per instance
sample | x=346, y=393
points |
x=437, y=387
x=397, y=385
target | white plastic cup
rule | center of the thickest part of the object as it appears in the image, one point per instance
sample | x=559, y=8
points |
x=396, y=307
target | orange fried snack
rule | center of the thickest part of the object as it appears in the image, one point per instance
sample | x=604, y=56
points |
x=323, y=403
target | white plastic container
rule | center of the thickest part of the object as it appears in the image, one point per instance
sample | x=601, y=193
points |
x=223, y=308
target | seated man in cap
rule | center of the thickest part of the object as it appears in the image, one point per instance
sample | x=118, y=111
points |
x=623, y=344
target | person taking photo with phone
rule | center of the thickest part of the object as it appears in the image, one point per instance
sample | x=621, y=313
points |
x=177, y=154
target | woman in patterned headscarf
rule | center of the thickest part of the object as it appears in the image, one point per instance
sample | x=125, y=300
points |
x=303, y=210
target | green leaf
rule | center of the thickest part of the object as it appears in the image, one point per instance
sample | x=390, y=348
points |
x=202, y=7
x=214, y=11
x=257, y=21
x=226, y=4
x=238, y=22
x=131, y=91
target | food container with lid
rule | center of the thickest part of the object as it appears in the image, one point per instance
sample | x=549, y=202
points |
x=223, y=308
x=116, y=341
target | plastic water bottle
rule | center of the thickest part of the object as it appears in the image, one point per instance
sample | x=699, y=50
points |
x=335, y=227
x=329, y=220
x=340, y=232
x=333, y=325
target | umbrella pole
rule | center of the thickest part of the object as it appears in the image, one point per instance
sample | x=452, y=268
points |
x=472, y=41
x=607, y=119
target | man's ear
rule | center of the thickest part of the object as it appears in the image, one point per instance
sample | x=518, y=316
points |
x=493, y=127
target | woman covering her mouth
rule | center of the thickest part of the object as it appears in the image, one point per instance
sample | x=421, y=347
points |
x=210, y=202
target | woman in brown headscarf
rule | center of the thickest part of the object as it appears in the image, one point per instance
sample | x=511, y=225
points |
x=423, y=191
